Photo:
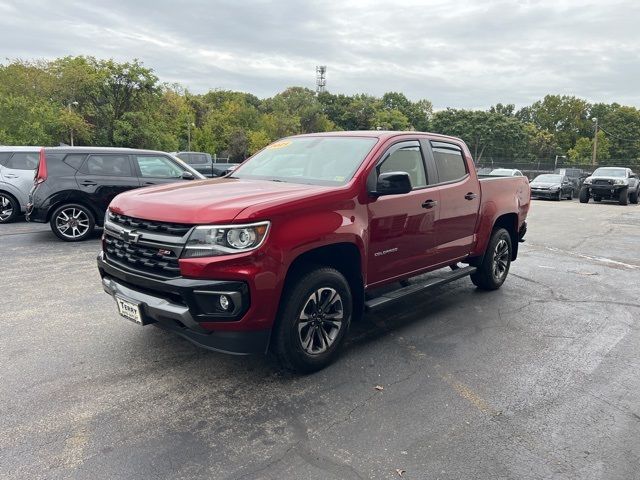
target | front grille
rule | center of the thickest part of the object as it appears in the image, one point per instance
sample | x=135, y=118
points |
x=142, y=258
x=149, y=225
x=602, y=182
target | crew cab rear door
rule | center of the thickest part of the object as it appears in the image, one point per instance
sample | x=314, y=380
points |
x=459, y=192
x=401, y=227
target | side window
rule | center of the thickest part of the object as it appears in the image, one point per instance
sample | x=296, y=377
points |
x=198, y=159
x=449, y=161
x=23, y=161
x=75, y=160
x=407, y=158
x=156, y=166
x=107, y=165
x=4, y=156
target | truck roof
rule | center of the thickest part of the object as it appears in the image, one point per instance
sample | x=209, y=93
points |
x=381, y=134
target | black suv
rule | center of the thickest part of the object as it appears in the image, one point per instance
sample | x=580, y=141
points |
x=74, y=185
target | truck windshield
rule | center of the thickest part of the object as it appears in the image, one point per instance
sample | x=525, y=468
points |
x=610, y=172
x=311, y=160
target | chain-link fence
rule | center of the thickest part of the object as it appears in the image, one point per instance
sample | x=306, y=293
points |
x=536, y=167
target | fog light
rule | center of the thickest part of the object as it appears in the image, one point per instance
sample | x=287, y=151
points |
x=224, y=302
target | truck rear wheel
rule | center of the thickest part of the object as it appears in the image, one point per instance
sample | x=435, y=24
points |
x=313, y=320
x=493, y=270
x=584, y=195
x=623, y=196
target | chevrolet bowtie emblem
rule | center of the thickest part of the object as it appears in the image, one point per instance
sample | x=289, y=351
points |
x=130, y=236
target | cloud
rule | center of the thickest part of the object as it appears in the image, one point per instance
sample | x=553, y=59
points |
x=462, y=54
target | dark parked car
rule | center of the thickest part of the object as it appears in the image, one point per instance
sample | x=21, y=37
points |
x=205, y=164
x=611, y=183
x=552, y=186
x=17, y=165
x=575, y=176
x=74, y=185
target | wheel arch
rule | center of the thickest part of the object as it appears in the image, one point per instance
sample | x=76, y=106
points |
x=74, y=199
x=345, y=257
x=509, y=221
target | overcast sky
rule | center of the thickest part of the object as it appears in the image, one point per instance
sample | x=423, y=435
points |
x=469, y=54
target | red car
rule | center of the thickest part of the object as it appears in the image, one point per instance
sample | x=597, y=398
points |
x=286, y=251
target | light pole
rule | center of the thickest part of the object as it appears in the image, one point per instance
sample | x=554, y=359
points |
x=189, y=125
x=75, y=104
x=595, y=143
x=555, y=165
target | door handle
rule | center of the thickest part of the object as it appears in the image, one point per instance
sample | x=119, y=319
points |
x=429, y=204
x=88, y=183
x=149, y=183
x=10, y=176
x=471, y=196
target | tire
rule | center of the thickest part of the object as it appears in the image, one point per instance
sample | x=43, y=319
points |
x=584, y=195
x=570, y=196
x=493, y=270
x=76, y=217
x=633, y=197
x=623, y=196
x=9, y=208
x=305, y=339
x=558, y=197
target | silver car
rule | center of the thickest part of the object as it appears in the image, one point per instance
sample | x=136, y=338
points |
x=17, y=166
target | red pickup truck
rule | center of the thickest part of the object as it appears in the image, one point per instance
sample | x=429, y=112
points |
x=283, y=253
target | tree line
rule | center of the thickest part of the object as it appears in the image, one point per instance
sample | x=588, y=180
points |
x=107, y=103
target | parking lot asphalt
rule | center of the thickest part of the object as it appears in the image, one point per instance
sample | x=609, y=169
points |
x=537, y=380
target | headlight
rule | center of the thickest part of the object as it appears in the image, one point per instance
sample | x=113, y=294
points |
x=587, y=181
x=216, y=240
x=619, y=182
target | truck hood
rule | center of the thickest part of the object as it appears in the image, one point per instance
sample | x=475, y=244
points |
x=207, y=201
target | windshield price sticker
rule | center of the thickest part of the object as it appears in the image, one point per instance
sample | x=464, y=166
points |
x=282, y=144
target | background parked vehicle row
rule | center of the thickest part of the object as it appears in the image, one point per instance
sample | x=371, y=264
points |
x=17, y=165
x=74, y=185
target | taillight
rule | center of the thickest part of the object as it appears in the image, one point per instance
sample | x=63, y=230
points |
x=41, y=174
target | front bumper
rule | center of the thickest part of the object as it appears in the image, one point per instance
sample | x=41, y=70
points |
x=176, y=305
x=604, y=190
x=544, y=193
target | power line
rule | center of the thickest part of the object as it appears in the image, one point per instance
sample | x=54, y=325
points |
x=619, y=138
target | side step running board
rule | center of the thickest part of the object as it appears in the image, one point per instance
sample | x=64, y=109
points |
x=403, y=292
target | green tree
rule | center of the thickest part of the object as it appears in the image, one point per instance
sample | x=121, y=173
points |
x=582, y=152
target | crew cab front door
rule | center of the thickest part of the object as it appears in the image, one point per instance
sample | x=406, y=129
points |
x=401, y=227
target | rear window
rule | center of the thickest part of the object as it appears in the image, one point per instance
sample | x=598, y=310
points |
x=449, y=161
x=23, y=161
x=107, y=165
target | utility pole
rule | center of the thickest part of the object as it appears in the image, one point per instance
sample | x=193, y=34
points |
x=71, y=132
x=595, y=144
x=189, y=125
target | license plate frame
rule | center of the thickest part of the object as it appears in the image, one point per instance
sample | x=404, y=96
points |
x=129, y=310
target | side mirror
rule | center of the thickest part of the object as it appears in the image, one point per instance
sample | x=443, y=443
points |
x=393, y=183
x=188, y=176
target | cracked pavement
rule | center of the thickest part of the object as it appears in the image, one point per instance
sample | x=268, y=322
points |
x=537, y=380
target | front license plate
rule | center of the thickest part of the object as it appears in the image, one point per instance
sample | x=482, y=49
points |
x=129, y=310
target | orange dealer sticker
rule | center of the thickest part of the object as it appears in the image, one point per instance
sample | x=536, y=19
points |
x=282, y=144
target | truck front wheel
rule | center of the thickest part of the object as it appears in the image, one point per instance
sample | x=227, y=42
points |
x=493, y=270
x=623, y=196
x=314, y=320
x=584, y=195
